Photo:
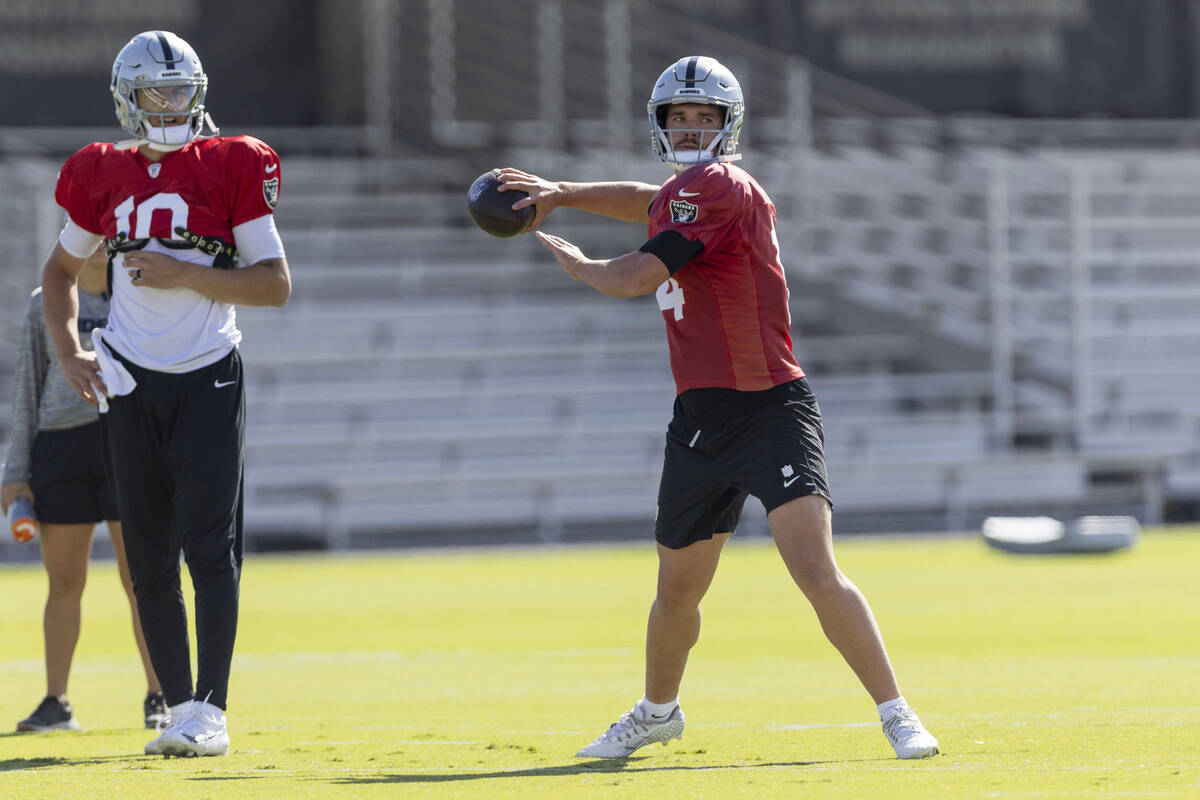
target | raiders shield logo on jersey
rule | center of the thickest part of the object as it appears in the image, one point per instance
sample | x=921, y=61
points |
x=271, y=191
x=684, y=212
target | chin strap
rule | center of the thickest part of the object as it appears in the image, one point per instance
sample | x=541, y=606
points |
x=129, y=144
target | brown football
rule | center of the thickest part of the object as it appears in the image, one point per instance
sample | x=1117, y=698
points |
x=492, y=209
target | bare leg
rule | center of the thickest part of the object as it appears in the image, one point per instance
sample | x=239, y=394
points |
x=118, y=542
x=65, y=553
x=684, y=576
x=803, y=533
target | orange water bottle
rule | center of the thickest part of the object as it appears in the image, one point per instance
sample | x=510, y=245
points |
x=21, y=519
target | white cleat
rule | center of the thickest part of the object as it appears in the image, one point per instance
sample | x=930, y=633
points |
x=192, y=729
x=908, y=736
x=633, y=730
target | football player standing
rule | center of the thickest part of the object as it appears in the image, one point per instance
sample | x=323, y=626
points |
x=188, y=223
x=745, y=421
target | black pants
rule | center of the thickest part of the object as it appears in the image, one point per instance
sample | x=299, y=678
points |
x=176, y=448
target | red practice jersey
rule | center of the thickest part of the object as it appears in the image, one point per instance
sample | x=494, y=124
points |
x=208, y=186
x=726, y=309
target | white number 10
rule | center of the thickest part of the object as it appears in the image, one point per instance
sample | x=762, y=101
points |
x=165, y=201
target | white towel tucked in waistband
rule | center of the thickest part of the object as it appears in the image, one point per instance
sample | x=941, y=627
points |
x=112, y=372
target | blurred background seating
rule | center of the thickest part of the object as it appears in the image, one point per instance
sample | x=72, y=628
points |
x=996, y=312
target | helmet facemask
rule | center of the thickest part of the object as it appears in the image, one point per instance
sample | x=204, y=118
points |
x=713, y=144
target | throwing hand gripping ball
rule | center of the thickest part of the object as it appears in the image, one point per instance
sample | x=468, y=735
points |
x=492, y=209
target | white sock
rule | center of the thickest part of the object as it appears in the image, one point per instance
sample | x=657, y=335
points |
x=658, y=711
x=888, y=709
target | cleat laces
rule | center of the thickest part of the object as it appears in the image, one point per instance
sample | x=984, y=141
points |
x=625, y=730
x=903, y=725
x=908, y=736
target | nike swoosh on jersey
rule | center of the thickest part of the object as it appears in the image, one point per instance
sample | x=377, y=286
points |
x=683, y=193
x=788, y=483
x=271, y=167
x=223, y=384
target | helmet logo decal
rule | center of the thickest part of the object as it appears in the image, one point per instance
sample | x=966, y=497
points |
x=683, y=212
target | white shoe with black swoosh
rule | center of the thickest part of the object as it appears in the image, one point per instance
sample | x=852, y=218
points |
x=634, y=729
x=194, y=729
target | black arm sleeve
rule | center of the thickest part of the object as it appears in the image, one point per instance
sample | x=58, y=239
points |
x=673, y=249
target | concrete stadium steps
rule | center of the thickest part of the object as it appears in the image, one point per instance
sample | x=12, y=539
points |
x=367, y=326
x=513, y=495
x=353, y=210
x=308, y=177
x=520, y=492
x=628, y=396
x=961, y=493
x=922, y=241
x=495, y=274
x=329, y=246
x=922, y=437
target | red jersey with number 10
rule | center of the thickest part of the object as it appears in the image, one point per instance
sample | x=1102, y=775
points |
x=726, y=310
x=209, y=187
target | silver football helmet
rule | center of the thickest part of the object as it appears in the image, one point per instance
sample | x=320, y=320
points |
x=158, y=87
x=696, y=79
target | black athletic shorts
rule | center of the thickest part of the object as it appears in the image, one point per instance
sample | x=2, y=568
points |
x=723, y=446
x=70, y=477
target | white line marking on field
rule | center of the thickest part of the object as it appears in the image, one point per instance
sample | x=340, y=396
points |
x=815, y=725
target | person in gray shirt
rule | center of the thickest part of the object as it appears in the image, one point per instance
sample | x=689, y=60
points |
x=56, y=458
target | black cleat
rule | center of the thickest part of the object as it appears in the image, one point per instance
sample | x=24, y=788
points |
x=155, y=709
x=52, y=714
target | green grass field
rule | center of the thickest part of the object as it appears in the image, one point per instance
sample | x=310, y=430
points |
x=479, y=673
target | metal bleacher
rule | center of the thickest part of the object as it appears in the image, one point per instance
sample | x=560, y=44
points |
x=1071, y=274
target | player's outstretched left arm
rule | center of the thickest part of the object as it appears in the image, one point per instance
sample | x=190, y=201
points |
x=631, y=275
x=265, y=283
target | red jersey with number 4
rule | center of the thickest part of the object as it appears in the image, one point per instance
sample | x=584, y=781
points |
x=208, y=186
x=726, y=310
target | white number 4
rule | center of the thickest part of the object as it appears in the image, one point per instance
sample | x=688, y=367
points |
x=670, y=297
